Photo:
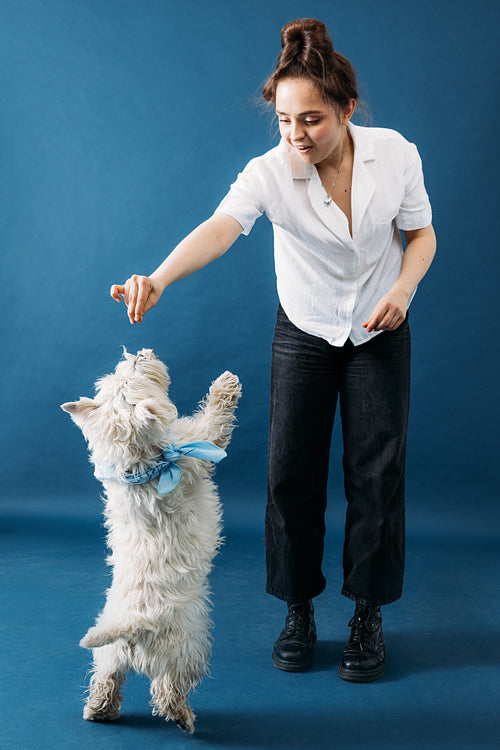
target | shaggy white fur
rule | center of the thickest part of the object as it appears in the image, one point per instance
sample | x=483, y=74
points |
x=155, y=619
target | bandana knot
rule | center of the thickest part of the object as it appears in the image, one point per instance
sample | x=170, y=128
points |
x=165, y=467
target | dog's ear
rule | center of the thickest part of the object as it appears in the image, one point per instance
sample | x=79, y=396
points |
x=146, y=411
x=150, y=410
x=79, y=410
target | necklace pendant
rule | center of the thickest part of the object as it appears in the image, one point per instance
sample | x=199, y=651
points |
x=327, y=200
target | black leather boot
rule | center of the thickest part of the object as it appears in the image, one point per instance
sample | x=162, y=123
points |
x=292, y=651
x=363, y=659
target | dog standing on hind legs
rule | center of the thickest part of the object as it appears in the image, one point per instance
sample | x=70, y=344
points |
x=163, y=518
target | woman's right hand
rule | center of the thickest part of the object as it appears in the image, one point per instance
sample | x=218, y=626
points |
x=207, y=242
x=140, y=294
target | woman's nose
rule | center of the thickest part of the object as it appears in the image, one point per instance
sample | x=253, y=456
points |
x=296, y=131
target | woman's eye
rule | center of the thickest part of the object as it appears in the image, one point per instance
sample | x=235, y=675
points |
x=311, y=122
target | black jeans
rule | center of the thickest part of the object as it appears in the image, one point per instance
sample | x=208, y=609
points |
x=372, y=382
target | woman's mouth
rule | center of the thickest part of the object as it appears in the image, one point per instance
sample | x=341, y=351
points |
x=303, y=149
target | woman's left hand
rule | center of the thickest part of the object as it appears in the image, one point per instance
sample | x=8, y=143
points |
x=391, y=310
x=389, y=313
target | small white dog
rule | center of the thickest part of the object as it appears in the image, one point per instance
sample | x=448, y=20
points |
x=163, y=518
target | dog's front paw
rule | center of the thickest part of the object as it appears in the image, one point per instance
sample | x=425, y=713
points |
x=227, y=388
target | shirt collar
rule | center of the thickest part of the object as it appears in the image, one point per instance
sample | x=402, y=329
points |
x=363, y=150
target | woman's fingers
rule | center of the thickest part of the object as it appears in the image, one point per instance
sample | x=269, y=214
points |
x=375, y=319
x=387, y=316
x=139, y=295
x=144, y=287
x=131, y=297
x=116, y=291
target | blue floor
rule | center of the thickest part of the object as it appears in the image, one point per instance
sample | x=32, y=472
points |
x=440, y=689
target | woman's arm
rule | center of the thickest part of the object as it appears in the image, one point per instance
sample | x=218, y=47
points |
x=390, y=312
x=207, y=242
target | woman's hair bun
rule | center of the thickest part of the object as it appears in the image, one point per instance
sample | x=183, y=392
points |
x=303, y=31
x=307, y=52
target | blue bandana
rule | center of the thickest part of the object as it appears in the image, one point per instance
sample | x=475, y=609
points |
x=165, y=467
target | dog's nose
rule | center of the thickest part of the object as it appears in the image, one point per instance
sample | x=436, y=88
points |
x=146, y=354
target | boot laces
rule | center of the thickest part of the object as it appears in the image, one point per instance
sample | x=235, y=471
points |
x=361, y=627
x=297, y=622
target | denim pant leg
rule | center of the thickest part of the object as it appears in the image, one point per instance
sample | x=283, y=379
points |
x=304, y=388
x=374, y=403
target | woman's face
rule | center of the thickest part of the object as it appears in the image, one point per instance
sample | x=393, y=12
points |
x=312, y=127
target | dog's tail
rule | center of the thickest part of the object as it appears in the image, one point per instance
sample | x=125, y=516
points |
x=101, y=635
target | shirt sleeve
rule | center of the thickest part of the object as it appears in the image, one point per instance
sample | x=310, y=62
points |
x=244, y=200
x=415, y=211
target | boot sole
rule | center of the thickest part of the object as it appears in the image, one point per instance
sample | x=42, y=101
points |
x=285, y=666
x=369, y=676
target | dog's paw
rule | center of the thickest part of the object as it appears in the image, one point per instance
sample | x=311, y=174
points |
x=184, y=718
x=108, y=713
x=181, y=714
x=226, y=388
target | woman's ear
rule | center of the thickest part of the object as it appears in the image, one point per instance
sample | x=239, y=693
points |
x=348, y=112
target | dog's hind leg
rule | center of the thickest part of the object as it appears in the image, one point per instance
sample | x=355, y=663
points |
x=183, y=664
x=170, y=701
x=105, y=688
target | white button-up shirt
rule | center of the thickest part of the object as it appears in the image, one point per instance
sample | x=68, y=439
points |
x=329, y=281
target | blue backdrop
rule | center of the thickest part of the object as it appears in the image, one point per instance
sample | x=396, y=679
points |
x=122, y=124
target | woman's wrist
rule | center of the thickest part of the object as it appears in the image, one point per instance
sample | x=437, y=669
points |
x=159, y=281
x=402, y=289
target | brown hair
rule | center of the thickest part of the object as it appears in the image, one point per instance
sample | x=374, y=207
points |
x=307, y=52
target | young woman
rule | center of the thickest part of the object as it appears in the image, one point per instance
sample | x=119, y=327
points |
x=338, y=196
